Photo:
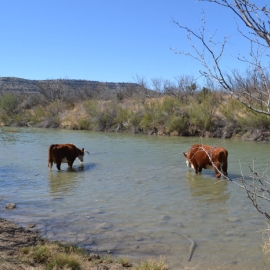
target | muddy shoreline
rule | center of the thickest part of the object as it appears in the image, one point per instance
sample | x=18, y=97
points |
x=14, y=237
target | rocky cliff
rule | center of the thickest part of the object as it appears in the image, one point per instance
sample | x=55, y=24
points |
x=18, y=84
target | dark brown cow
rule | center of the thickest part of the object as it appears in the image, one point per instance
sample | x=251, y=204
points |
x=206, y=157
x=64, y=153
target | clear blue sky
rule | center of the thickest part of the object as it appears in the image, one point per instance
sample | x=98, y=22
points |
x=104, y=40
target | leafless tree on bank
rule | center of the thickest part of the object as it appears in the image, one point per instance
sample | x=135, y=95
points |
x=93, y=90
x=143, y=90
x=258, y=189
x=55, y=90
x=251, y=88
x=183, y=87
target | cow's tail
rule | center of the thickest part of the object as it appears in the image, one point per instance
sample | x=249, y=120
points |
x=50, y=156
x=225, y=163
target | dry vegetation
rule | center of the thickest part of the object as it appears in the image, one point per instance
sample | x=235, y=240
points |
x=23, y=249
x=177, y=111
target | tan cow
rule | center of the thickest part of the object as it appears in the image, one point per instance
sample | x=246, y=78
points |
x=64, y=153
x=207, y=157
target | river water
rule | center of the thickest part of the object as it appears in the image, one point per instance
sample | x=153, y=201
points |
x=135, y=197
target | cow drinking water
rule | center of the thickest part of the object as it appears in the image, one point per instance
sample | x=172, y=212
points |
x=206, y=157
x=64, y=153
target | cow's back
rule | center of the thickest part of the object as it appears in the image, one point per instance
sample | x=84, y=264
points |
x=219, y=153
x=65, y=150
x=200, y=154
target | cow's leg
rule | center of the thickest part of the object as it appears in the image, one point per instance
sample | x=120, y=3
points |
x=225, y=168
x=50, y=164
x=58, y=164
x=199, y=169
x=70, y=163
x=217, y=169
x=196, y=167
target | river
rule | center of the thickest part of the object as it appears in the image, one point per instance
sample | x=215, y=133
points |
x=135, y=197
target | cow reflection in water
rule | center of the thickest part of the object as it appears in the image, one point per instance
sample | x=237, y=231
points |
x=207, y=190
x=64, y=183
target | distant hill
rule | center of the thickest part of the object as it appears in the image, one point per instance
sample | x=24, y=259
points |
x=18, y=84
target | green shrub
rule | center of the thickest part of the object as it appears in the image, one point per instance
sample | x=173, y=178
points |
x=119, y=96
x=253, y=120
x=153, y=115
x=235, y=112
x=147, y=121
x=39, y=112
x=205, y=93
x=135, y=119
x=122, y=115
x=84, y=123
x=171, y=105
x=9, y=104
x=231, y=110
x=202, y=114
x=91, y=107
x=178, y=123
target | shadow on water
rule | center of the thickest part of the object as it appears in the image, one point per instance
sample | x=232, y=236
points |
x=83, y=167
x=206, y=188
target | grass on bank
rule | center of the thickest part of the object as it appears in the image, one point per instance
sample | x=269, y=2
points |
x=55, y=256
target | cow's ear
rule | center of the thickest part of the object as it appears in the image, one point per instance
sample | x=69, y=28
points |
x=82, y=149
x=185, y=154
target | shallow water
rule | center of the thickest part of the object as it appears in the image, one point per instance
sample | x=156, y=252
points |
x=135, y=197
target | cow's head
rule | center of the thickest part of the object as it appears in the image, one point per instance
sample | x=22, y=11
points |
x=81, y=154
x=187, y=159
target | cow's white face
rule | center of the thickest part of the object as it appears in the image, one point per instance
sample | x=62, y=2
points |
x=187, y=160
x=80, y=157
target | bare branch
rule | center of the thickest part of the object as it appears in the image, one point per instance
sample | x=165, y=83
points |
x=210, y=56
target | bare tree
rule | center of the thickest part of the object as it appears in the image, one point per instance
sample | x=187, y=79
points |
x=257, y=187
x=253, y=90
x=184, y=87
x=96, y=90
x=131, y=90
x=55, y=90
x=143, y=89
